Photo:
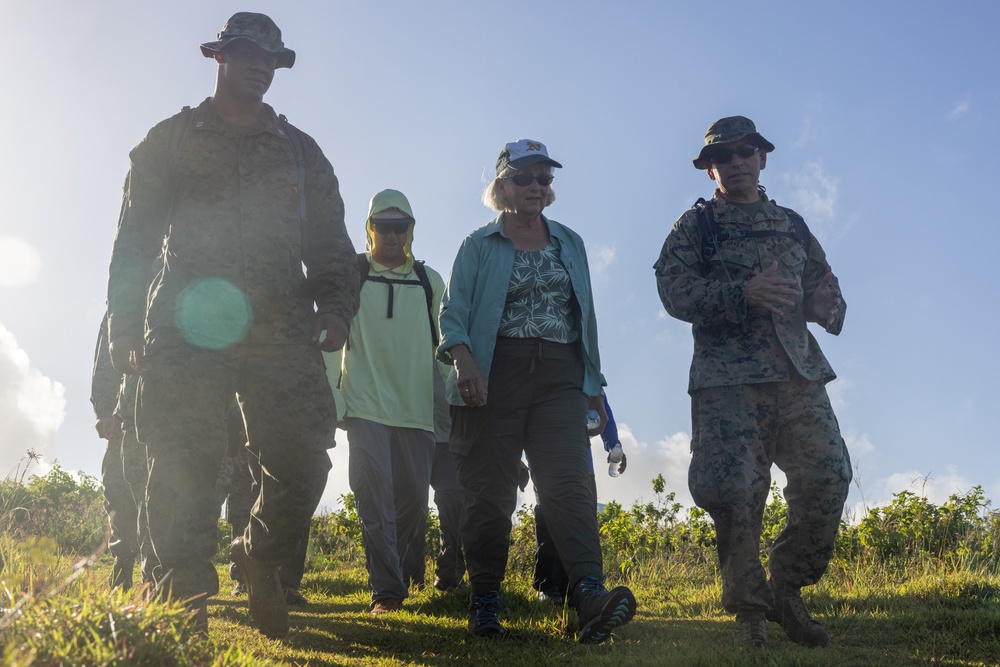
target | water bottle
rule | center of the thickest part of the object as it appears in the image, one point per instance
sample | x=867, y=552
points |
x=615, y=457
x=593, y=420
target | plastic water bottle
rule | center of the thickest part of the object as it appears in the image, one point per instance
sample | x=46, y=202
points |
x=593, y=420
x=615, y=457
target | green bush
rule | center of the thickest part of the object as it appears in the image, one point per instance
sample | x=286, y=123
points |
x=65, y=507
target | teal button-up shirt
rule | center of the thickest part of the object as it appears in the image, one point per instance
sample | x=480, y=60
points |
x=477, y=290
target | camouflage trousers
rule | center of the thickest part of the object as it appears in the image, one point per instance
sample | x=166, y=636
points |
x=136, y=468
x=122, y=510
x=242, y=493
x=738, y=433
x=184, y=395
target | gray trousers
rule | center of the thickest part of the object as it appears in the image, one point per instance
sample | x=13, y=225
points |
x=738, y=433
x=390, y=475
x=450, y=500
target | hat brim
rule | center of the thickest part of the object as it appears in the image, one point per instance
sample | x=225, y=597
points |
x=528, y=160
x=702, y=161
x=285, y=57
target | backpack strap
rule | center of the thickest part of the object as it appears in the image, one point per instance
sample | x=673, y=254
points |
x=712, y=235
x=710, y=232
x=422, y=280
x=418, y=266
x=802, y=233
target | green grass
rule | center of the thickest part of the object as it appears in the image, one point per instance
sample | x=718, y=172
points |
x=912, y=584
x=924, y=614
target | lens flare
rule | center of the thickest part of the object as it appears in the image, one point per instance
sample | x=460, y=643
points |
x=213, y=313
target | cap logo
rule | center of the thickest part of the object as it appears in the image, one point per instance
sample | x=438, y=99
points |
x=532, y=146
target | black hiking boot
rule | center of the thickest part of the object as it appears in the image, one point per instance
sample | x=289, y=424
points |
x=484, y=615
x=265, y=599
x=600, y=610
x=751, y=630
x=791, y=613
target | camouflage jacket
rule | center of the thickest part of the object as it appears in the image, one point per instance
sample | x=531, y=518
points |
x=105, y=380
x=231, y=267
x=735, y=345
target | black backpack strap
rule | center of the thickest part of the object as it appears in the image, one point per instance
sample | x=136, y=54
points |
x=710, y=232
x=802, y=233
x=418, y=266
x=422, y=280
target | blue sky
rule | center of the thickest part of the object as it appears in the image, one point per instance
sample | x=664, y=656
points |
x=883, y=114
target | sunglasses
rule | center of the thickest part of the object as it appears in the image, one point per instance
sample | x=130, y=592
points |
x=524, y=180
x=390, y=227
x=725, y=155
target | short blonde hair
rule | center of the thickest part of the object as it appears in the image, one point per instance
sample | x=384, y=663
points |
x=493, y=194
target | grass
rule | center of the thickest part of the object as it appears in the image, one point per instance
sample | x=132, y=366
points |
x=927, y=613
x=911, y=584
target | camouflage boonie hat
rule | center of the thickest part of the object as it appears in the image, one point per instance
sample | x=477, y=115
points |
x=726, y=130
x=259, y=29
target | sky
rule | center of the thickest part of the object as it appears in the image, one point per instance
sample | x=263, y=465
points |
x=884, y=116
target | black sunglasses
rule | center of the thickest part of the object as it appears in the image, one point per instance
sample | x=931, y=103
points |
x=390, y=227
x=524, y=180
x=725, y=155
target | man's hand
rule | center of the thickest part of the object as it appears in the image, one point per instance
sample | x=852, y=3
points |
x=336, y=332
x=126, y=354
x=826, y=301
x=767, y=291
x=108, y=428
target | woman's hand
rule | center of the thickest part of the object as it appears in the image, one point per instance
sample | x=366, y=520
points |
x=471, y=385
x=597, y=403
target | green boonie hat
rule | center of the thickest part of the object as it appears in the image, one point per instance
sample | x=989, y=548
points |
x=726, y=130
x=259, y=29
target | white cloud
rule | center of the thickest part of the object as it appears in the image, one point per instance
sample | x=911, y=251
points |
x=935, y=488
x=960, y=109
x=812, y=193
x=32, y=406
x=336, y=482
x=600, y=258
x=668, y=457
x=20, y=262
x=806, y=134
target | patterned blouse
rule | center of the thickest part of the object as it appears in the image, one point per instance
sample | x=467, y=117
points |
x=540, y=301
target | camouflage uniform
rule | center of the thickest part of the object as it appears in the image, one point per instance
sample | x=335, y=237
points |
x=119, y=501
x=758, y=397
x=136, y=468
x=230, y=311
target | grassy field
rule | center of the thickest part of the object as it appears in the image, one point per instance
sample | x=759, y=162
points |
x=911, y=606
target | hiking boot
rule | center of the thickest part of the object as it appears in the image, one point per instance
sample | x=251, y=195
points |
x=751, y=630
x=791, y=613
x=385, y=606
x=121, y=573
x=295, y=599
x=484, y=615
x=199, y=614
x=265, y=599
x=601, y=611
